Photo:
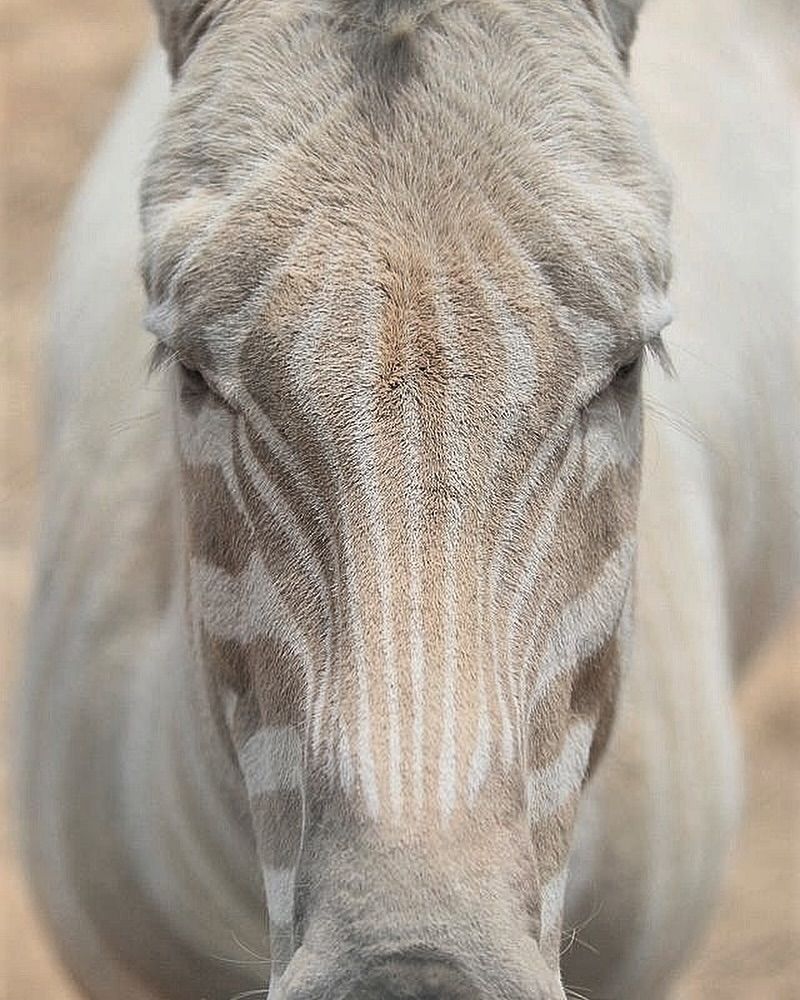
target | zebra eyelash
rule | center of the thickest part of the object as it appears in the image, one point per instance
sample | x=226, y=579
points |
x=656, y=349
x=193, y=382
x=161, y=357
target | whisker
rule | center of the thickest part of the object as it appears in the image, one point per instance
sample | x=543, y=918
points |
x=248, y=950
x=123, y=425
x=678, y=423
x=575, y=938
x=574, y=932
x=240, y=961
x=574, y=995
x=572, y=937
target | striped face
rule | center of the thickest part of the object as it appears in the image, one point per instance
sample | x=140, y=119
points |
x=408, y=416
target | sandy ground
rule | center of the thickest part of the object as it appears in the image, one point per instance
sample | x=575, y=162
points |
x=63, y=64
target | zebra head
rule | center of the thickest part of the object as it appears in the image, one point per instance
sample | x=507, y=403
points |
x=407, y=262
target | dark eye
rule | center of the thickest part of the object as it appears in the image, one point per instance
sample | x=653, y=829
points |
x=193, y=384
x=626, y=373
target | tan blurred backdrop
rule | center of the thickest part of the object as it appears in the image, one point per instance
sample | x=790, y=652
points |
x=63, y=64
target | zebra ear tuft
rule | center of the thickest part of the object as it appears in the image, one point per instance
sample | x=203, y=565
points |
x=182, y=23
x=619, y=17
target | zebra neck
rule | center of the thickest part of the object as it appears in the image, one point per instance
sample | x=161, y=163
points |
x=186, y=814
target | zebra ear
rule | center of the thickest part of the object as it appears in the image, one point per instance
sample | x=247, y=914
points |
x=619, y=17
x=182, y=23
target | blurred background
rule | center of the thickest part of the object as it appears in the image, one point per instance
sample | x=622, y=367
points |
x=63, y=65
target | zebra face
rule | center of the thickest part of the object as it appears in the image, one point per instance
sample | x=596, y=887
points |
x=407, y=399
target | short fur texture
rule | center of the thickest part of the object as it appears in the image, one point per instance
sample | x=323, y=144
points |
x=347, y=631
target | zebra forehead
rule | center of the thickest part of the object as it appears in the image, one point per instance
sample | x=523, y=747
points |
x=571, y=225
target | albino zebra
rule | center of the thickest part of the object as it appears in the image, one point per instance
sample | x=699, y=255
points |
x=335, y=613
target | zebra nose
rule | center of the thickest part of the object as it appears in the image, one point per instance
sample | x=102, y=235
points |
x=415, y=976
x=405, y=978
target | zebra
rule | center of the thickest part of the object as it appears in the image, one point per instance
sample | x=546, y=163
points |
x=385, y=637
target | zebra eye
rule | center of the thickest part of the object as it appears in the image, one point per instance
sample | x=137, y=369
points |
x=627, y=372
x=193, y=383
